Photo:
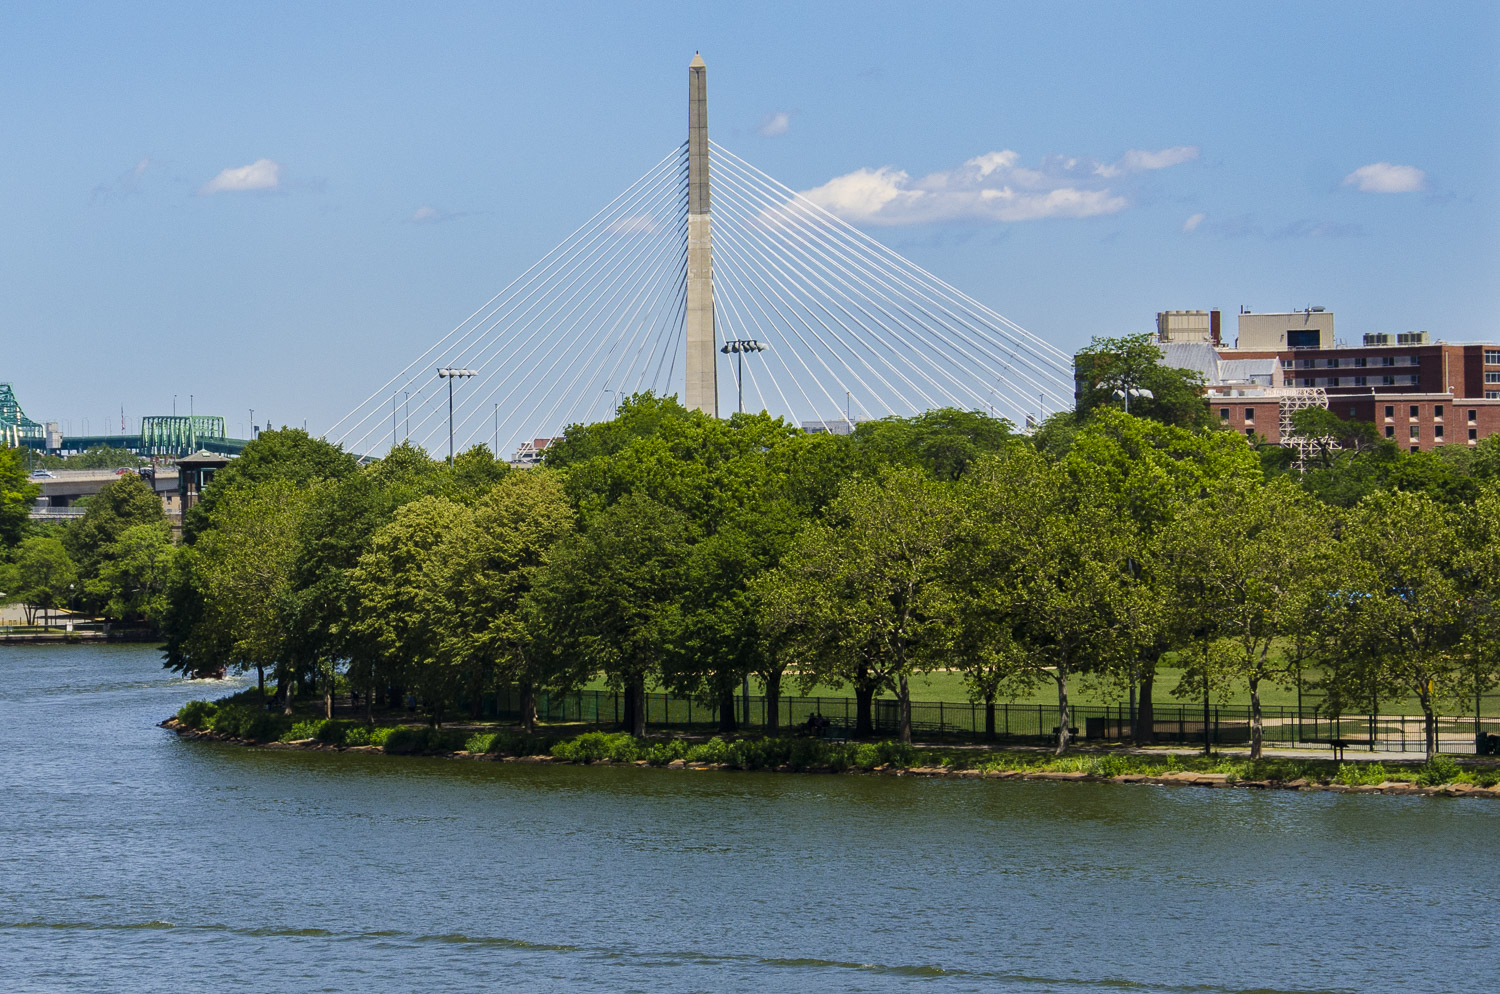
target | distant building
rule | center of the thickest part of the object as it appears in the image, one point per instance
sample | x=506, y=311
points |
x=1418, y=392
x=837, y=426
x=530, y=453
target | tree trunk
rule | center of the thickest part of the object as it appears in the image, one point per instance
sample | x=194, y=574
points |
x=727, y=723
x=773, y=701
x=1063, y=711
x=864, y=710
x=284, y=683
x=1429, y=726
x=989, y=716
x=1144, y=732
x=328, y=690
x=903, y=694
x=635, y=706
x=1255, y=722
x=528, y=704
x=260, y=681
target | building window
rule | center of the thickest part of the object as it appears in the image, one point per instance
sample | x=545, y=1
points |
x=1287, y=364
x=1388, y=360
x=1414, y=379
x=1249, y=414
x=1437, y=432
x=1473, y=415
x=1249, y=432
x=1333, y=381
x=1473, y=434
x=1416, y=412
x=1387, y=381
x=1415, y=432
x=1416, y=448
x=1361, y=362
x=1352, y=410
x=1492, y=377
x=1492, y=357
x=1359, y=381
x=1437, y=413
x=1492, y=395
x=1306, y=363
x=1223, y=414
x=1390, y=412
x=1390, y=431
x=1333, y=364
x=1302, y=339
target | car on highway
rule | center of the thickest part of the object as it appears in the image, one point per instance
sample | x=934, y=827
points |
x=42, y=474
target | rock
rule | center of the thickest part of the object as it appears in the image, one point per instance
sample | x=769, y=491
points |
x=1059, y=775
x=1296, y=784
x=676, y=764
x=1130, y=778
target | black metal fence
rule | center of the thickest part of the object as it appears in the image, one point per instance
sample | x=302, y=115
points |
x=941, y=721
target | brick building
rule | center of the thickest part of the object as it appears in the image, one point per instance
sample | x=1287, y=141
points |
x=1417, y=392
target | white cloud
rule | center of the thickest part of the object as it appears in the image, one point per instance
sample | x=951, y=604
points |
x=1383, y=177
x=126, y=185
x=425, y=215
x=262, y=174
x=990, y=187
x=1138, y=160
x=775, y=124
x=1191, y=224
x=635, y=224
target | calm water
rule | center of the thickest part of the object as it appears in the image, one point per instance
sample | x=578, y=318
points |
x=131, y=861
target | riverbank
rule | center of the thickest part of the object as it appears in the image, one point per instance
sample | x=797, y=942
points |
x=1440, y=777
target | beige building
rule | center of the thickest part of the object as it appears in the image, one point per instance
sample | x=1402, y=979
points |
x=1306, y=329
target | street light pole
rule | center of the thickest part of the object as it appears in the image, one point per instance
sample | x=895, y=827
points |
x=738, y=347
x=450, y=374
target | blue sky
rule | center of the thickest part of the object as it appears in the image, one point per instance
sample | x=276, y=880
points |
x=277, y=206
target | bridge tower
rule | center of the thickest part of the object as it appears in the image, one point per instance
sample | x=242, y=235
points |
x=702, y=388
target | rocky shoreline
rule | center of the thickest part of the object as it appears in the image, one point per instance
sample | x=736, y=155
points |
x=1171, y=778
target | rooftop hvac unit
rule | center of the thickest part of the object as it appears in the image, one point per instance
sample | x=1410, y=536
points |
x=1380, y=339
x=1412, y=338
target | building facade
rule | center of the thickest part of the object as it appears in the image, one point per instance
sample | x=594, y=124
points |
x=1417, y=392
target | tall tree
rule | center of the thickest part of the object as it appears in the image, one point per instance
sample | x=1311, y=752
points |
x=1260, y=554
x=119, y=505
x=871, y=582
x=242, y=565
x=287, y=454
x=45, y=575
x=607, y=598
x=1133, y=364
x=496, y=554
x=407, y=588
x=1405, y=614
x=17, y=494
x=136, y=573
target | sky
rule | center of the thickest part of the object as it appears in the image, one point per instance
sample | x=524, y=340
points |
x=275, y=207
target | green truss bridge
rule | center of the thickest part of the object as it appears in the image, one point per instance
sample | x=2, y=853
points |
x=160, y=434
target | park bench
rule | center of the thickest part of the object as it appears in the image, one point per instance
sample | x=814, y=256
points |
x=1339, y=745
x=1072, y=732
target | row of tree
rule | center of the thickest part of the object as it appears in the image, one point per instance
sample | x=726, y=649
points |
x=667, y=547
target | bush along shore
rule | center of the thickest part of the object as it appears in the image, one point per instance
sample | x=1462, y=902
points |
x=248, y=725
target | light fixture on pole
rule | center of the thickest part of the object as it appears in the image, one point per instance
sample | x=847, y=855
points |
x=739, y=347
x=450, y=374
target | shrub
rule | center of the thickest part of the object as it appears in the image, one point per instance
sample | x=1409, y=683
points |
x=590, y=747
x=1437, y=770
x=404, y=740
x=662, y=753
x=715, y=750
x=301, y=730
x=1353, y=774
x=1111, y=766
x=358, y=735
x=510, y=743
x=378, y=736
x=196, y=714
x=242, y=722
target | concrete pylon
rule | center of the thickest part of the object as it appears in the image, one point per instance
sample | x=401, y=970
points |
x=702, y=391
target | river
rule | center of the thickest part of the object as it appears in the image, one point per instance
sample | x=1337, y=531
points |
x=133, y=861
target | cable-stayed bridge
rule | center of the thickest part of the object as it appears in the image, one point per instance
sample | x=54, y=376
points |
x=706, y=255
